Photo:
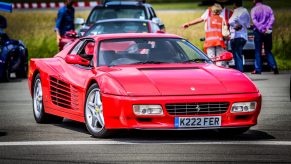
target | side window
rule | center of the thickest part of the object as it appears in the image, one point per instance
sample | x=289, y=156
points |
x=189, y=52
x=153, y=12
x=77, y=47
x=151, y=15
x=85, y=49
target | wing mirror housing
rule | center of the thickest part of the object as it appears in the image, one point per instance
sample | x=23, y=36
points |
x=157, y=21
x=76, y=59
x=71, y=34
x=225, y=56
x=79, y=21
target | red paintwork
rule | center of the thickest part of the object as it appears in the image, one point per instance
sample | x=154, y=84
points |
x=123, y=86
x=69, y=37
x=76, y=59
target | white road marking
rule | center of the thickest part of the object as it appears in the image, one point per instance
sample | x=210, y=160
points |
x=104, y=142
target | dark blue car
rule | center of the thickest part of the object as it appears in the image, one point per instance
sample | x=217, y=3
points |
x=13, y=58
x=13, y=53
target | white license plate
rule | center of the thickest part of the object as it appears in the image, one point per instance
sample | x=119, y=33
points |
x=185, y=122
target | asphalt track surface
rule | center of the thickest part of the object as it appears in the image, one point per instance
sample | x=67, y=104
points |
x=24, y=141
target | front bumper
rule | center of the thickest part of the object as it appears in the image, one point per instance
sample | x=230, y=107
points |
x=118, y=112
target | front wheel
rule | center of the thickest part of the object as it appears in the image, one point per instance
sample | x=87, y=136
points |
x=94, y=118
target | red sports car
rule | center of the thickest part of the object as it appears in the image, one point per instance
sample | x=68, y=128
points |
x=141, y=81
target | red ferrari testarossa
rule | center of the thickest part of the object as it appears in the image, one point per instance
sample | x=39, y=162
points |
x=142, y=81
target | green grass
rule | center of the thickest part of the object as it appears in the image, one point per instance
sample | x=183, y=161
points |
x=36, y=30
x=276, y=4
x=174, y=6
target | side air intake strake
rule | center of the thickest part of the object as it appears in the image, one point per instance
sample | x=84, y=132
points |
x=60, y=93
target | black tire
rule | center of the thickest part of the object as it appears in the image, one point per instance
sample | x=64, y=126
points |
x=233, y=131
x=23, y=71
x=102, y=132
x=40, y=115
x=6, y=71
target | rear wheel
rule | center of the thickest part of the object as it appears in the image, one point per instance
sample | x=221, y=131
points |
x=94, y=118
x=22, y=72
x=38, y=108
x=23, y=68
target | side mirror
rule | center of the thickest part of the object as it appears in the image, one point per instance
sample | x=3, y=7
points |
x=79, y=21
x=225, y=56
x=157, y=20
x=76, y=59
x=71, y=34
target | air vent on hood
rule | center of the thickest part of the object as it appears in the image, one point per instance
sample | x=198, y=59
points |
x=60, y=93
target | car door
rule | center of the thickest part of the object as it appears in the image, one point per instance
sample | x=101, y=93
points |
x=68, y=86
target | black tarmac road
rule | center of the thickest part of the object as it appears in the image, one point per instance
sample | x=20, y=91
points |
x=24, y=141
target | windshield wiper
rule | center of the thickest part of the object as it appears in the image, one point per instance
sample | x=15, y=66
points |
x=198, y=60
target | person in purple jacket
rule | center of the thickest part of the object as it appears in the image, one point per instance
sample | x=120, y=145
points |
x=263, y=20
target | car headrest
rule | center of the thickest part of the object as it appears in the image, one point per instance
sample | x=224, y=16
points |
x=89, y=49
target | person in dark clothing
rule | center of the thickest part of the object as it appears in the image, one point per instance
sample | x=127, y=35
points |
x=263, y=19
x=65, y=19
x=3, y=36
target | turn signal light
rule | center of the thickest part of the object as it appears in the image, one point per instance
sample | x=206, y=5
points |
x=144, y=110
x=243, y=107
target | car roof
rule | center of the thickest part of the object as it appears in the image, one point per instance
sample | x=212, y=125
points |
x=132, y=35
x=123, y=20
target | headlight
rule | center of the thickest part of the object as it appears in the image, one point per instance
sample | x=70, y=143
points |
x=144, y=110
x=243, y=107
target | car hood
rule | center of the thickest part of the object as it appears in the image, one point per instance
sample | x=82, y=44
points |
x=178, y=80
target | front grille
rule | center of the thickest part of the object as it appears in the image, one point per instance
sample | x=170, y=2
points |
x=197, y=108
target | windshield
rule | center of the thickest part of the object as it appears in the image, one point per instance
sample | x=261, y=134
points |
x=148, y=51
x=118, y=27
x=112, y=13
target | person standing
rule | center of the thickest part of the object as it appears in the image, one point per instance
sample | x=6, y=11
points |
x=214, y=43
x=239, y=23
x=263, y=20
x=65, y=19
x=225, y=14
